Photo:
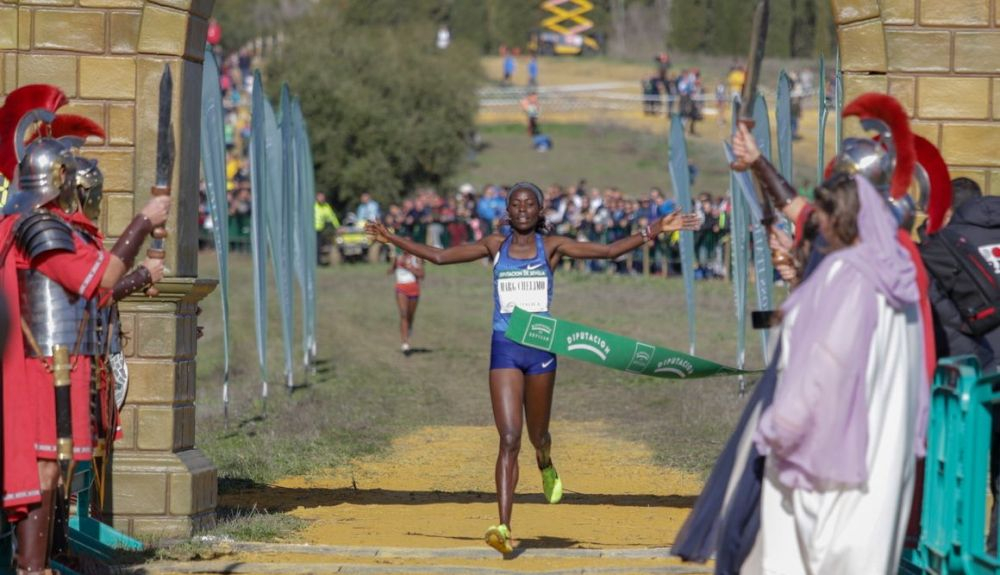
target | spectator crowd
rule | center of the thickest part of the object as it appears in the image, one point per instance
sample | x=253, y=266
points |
x=581, y=212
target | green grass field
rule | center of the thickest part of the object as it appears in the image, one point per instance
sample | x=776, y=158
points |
x=605, y=155
x=366, y=392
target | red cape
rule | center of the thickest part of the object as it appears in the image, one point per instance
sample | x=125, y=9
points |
x=20, y=470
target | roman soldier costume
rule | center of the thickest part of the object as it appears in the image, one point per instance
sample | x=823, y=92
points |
x=53, y=263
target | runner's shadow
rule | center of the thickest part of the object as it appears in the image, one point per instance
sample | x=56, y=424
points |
x=416, y=350
x=523, y=545
x=241, y=427
x=299, y=387
x=544, y=543
x=273, y=498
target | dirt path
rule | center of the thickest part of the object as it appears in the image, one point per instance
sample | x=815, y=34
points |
x=423, y=507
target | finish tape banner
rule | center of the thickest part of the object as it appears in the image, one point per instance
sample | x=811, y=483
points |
x=599, y=347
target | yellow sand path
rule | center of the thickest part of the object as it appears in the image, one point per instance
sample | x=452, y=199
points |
x=424, y=504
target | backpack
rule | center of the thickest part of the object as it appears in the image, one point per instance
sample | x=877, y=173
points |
x=966, y=278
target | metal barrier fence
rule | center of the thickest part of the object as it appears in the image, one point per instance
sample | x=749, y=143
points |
x=598, y=96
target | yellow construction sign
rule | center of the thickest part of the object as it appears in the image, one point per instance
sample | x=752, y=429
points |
x=565, y=31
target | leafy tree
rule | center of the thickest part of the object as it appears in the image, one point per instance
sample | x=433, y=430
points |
x=691, y=24
x=386, y=110
x=733, y=20
x=249, y=19
x=781, y=29
x=822, y=29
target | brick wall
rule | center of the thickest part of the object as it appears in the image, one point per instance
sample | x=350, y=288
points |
x=938, y=57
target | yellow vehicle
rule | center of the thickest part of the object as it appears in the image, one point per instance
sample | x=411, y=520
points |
x=352, y=243
x=564, y=32
x=548, y=43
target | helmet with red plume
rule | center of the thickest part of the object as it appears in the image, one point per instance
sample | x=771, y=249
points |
x=935, y=183
x=19, y=104
x=887, y=160
x=44, y=165
x=885, y=115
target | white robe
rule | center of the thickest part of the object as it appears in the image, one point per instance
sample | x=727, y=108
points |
x=858, y=531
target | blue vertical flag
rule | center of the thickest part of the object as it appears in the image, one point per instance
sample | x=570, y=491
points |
x=763, y=268
x=739, y=231
x=680, y=177
x=213, y=162
x=305, y=257
x=821, y=142
x=259, y=182
x=783, y=115
x=838, y=102
x=309, y=255
x=279, y=232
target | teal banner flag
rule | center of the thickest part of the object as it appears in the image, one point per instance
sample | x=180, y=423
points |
x=821, y=141
x=308, y=205
x=740, y=238
x=763, y=268
x=680, y=178
x=305, y=256
x=838, y=103
x=783, y=116
x=213, y=166
x=260, y=178
x=280, y=219
x=607, y=349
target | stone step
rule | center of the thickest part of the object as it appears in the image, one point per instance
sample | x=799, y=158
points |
x=269, y=558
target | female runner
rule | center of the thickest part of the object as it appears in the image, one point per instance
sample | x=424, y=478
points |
x=409, y=270
x=522, y=378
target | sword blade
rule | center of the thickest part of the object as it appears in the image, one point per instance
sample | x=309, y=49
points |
x=164, y=131
x=758, y=41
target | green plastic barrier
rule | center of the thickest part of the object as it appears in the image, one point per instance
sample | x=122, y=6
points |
x=611, y=350
x=956, y=472
x=87, y=536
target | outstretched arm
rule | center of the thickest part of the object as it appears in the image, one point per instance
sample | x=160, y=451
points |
x=453, y=255
x=781, y=193
x=596, y=251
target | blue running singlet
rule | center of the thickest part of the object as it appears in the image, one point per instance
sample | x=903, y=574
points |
x=527, y=284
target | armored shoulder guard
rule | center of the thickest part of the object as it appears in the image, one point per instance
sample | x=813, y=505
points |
x=40, y=232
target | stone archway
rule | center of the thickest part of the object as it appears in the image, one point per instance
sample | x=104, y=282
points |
x=940, y=59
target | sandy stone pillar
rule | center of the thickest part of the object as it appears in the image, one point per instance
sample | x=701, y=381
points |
x=108, y=55
x=940, y=58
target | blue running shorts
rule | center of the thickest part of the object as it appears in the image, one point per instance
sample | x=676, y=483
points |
x=505, y=354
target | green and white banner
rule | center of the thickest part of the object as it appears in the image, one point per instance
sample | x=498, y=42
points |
x=608, y=349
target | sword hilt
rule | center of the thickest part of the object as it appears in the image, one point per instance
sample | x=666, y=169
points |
x=737, y=165
x=159, y=233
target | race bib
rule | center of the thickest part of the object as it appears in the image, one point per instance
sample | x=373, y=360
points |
x=526, y=289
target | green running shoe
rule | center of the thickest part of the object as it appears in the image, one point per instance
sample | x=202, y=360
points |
x=551, y=484
x=498, y=537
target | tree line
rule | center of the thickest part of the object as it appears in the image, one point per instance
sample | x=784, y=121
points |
x=798, y=28
x=387, y=111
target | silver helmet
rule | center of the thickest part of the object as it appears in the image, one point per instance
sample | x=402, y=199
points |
x=90, y=187
x=46, y=168
x=875, y=160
